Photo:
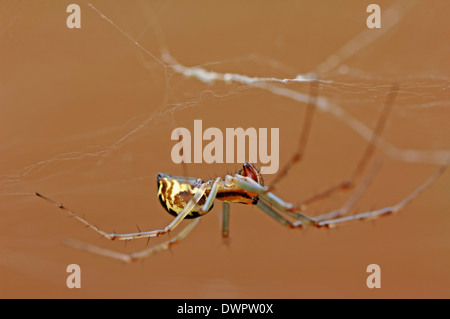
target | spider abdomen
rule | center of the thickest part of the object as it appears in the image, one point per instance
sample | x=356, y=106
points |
x=175, y=192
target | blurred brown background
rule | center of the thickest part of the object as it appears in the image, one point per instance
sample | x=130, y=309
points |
x=86, y=117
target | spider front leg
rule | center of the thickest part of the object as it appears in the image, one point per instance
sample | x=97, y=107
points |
x=306, y=129
x=154, y=233
x=334, y=214
x=366, y=157
x=322, y=221
x=250, y=185
x=277, y=216
x=386, y=211
x=359, y=192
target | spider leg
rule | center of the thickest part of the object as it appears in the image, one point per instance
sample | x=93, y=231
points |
x=211, y=196
x=289, y=209
x=307, y=122
x=355, y=197
x=154, y=233
x=225, y=219
x=137, y=255
x=365, y=159
x=334, y=214
x=277, y=216
x=386, y=211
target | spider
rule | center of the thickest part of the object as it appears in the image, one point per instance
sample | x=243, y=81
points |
x=192, y=198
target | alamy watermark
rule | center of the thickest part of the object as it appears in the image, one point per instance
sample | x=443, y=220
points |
x=74, y=279
x=228, y=148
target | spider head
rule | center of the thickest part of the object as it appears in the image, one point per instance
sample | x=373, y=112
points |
x=249, y=170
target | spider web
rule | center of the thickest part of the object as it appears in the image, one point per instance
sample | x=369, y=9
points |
x=346, y=83
x=87, y=115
